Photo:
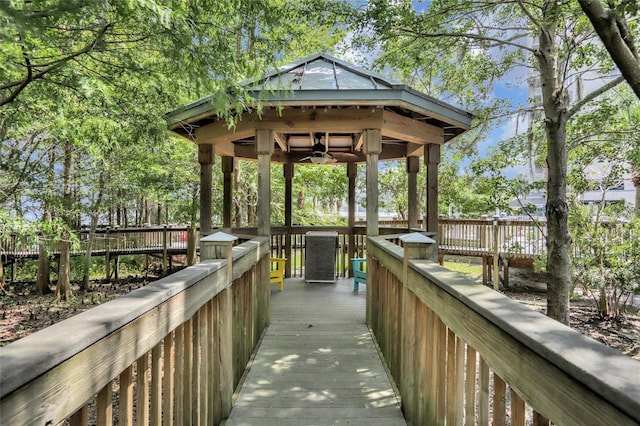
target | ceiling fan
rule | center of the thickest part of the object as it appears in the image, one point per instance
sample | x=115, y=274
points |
x=319, y=151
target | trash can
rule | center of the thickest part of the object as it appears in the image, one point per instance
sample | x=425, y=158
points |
x=320, y=256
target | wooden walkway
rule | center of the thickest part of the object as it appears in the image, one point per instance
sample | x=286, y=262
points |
x=317, y=364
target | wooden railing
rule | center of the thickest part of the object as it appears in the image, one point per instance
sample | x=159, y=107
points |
x=351, y=243
x=484, y=237
x=513, y=239
x=462, y=353
x=107, y=240
x=173, y=351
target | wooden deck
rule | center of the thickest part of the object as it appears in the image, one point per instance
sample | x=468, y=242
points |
x=317, y=364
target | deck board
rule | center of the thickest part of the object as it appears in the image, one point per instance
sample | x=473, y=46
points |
x=317, y=364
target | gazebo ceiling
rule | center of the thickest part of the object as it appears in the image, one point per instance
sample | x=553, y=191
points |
x=321, y=102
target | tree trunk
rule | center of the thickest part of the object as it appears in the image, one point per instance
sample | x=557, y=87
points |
x=43, y=273
x=2, y=290
x=92, y=235
x=147, y=213
x=611, y=25
x=636, y=184
x=191, y=245
x=44, y=269
x=555, y=102
x=63, y=287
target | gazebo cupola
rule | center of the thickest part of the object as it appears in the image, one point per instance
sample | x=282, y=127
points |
x=324, y=110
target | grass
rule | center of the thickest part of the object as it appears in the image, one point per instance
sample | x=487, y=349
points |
x=470, y=270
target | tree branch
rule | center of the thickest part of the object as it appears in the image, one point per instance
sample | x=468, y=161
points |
x=20, y=85
x=620, y=46
x=591, y=96
x=471, y=36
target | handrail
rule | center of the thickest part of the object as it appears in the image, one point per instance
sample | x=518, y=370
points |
x=179, y=322
x=436, y=327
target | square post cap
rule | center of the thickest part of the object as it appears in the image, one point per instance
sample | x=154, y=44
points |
x=416, y=238
x=216, y=246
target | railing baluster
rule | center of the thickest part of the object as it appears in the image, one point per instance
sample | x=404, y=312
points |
x=518, y=412
x=168, y=397
x=432, y=365
x=125, y=403
x=104, y=404
x=187, y=390
x=80, y=417
x=195, y=370
x=459, y=382
x=451, y=377
x=142, y=390
x=212, y=343
x=483, y=393
x=156, y=385
x=499, y=401
x=470, y=387
x=203, y=399
x=179, y=374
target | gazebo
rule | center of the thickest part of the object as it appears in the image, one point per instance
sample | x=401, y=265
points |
x=321, y=109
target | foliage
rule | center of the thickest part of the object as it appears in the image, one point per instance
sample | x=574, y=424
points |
x=320, y=191
x=616, y=24
x=474, y=50
x=606, y=261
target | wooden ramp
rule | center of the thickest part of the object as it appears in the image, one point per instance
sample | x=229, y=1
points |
x=317, y=364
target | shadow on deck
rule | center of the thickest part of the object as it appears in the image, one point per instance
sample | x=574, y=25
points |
x=317, y=363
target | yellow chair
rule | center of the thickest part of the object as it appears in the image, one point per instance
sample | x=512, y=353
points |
x=277, y=272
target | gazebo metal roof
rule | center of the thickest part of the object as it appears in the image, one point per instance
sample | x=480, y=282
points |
x=321, y=94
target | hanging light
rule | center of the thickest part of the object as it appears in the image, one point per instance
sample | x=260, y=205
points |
x=319, y=146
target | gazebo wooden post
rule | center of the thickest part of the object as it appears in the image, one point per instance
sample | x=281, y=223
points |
x=372, y=148
x=205, y=158
x=352, y=172
x=228, y=165
x=413, y=167
x=264, y=149
x=432, y=159
x=287, y=169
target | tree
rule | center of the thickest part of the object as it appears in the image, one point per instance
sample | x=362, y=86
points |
x=611, y=21
x=100, y=76
x=463, y=47
x=63, y=286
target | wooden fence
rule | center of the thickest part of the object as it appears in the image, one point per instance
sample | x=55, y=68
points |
x=462, y=353
x=108, y=240
x=172, y=351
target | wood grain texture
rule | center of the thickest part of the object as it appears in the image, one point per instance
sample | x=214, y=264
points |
x=156, y=385
x=142, y=391
x=317, y=363
x=125, y=402
x=64, y=363
x=528, y=350
x=470, y=387
x=414, y=131
x=104, y=406
x=499, y=401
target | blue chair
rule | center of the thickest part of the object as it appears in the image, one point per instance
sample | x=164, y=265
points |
x=359, y=272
